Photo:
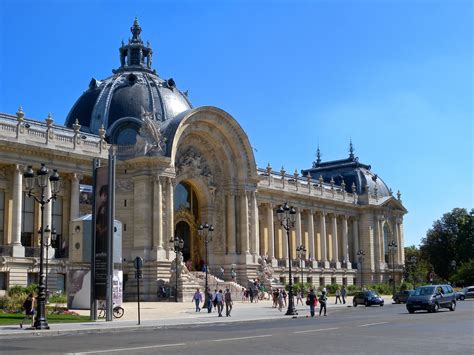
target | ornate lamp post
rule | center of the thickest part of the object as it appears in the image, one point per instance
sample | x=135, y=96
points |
x=178, y=245
x=205, y=231
x=392, y=246
x=41, y=179
x=287, y=217
x=301, y=252
x=47, y=244
x=360, y=256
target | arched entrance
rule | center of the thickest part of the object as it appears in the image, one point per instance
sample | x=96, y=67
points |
x=186, y=218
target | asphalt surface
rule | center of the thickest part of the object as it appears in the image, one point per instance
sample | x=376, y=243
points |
x=373, y=330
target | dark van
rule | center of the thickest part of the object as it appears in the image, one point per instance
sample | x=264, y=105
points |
x=431, y=298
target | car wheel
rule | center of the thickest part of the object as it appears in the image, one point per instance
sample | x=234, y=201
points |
x=354, y=303
x=381, y=305
x=453, y=306
x=397, y=301
x=436, y=308
x=366, y=304
x=411, y=311
x=462, y=298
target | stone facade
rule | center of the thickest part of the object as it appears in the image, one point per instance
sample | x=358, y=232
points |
x=209, y=154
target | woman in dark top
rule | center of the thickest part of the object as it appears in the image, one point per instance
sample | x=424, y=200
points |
x=29, y=308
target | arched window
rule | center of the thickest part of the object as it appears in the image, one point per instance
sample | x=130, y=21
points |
x=185, y=197
x=386, y=233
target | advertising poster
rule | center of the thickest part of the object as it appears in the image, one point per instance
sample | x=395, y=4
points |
x=101, y=232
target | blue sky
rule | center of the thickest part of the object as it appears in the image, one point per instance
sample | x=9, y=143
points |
x=395, y=76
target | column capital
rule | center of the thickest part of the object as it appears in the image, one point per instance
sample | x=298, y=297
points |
x=322, y=213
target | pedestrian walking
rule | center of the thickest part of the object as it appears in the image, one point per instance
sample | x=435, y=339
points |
x=208, y=300
x=322, y=302
x=29, y=309
x=275, y=298
x=197, y=298
x=242, y=295
x=338, y=295
x=311, y=301
x=284, y=296
x=221, y=273
x=233, y=274
x=214, y=300
x=220, y=302
x=299, y=297
x=228, y=302
x=343, y=294
x=280, y=300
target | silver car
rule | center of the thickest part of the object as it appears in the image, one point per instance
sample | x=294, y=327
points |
x=466, y=292
x=431, y=298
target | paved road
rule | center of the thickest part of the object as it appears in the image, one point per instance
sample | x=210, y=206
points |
x=374, y=330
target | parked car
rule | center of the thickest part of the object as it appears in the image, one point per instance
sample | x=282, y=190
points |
x=367, y=298
x=466, y=292
x=402, y=296
x=431, y=298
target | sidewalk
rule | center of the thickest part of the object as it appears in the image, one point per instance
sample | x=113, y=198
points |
x=156, y=315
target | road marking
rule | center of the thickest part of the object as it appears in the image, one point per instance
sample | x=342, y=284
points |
x=369, y=324
x=242, y=338
x=314, y=330
x=128, y=349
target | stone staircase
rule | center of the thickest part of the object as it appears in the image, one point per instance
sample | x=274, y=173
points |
x=214, y=283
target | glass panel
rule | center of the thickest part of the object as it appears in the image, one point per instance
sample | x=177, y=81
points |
x=127, y=136
x=182, y=197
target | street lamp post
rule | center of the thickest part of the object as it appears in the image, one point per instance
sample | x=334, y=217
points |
x=47, y=244
x=205, y=231
x=413, y=260
x=301, y=251
x=392, y=246
x=360, y=256
x=178, y=245
x=287, y=217
x=41, y=179
x=453, y=265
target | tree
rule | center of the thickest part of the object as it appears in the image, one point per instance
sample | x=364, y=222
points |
x=465, y=274
x=416, y=266
x=450, y=242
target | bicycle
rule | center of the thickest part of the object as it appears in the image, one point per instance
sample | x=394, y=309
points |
x=117, y=311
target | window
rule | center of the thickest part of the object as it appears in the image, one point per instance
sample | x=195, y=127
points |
x=321, y=281
x=3, y=280
x=33, y=278
x=27, y=221
x=2, y=215
x=185, y=198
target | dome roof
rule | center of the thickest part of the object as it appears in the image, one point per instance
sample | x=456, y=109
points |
x=354, y=174
x=120, y=102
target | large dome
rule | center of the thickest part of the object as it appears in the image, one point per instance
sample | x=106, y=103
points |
x=354, y=174
x=120, y=102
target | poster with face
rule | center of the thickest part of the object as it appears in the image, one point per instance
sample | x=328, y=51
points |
x=101, y=232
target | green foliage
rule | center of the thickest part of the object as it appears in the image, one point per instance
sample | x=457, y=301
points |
x=58, y=298
x=331, y=289
x=465, y=274
x=22, y=291
x=450, y=239
x=406, y=286
x=417, y=266
x=352, y=289
x=383, y=289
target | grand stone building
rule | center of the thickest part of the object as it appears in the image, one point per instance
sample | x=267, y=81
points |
x=179, y=166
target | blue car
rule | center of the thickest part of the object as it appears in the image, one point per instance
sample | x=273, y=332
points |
x=367, y=298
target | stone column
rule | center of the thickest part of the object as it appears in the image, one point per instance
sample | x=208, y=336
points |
x=169, y=213
x=311, y=235
x=355, y=237
x=397, y=239
x=298, y=228
x=231, y=223
x=322, y=224
x=74, y=203
x=244, y=223
x=142, y=226
x=254, y=239
x=271, y=235
x=284, y=244
x=345, y=242
x=158, y=217
x=18, y=249
x=402, y=242
x=335, y=254
x=377, y=245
